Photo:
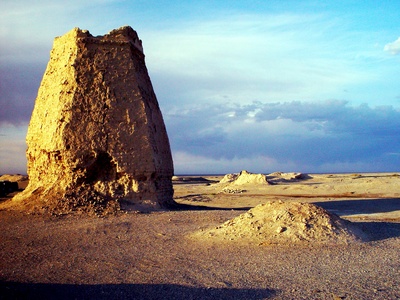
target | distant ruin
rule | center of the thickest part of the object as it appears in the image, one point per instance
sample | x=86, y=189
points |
x=96, y=133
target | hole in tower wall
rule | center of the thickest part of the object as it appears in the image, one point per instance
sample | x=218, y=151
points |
x=102, y=169
x=141, y=178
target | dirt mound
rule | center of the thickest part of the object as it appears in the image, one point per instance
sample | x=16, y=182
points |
x=277, y=222
x=244, y=178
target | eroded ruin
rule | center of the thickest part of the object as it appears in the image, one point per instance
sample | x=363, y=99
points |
x=96, y=133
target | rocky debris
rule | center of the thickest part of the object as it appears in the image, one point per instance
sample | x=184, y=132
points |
x=195, y=198
x=96, y=133
x=278, y=222
x=228, y=190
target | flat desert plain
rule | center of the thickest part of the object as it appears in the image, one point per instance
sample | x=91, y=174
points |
x=172, y=254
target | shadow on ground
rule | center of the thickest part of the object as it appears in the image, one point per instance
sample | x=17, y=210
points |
x=376, y=230
x=189, y=207
x=365, y=206
x=15, y=290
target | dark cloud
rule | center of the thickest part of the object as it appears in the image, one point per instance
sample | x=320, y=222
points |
x=19, y=84
x=308, y=134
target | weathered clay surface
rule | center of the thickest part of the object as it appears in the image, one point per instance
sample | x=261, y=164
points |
x=96, y=132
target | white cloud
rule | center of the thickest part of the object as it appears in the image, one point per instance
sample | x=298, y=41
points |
x=393, y=47
x=278, y=57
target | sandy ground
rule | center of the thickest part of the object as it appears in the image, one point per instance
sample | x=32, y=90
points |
x=151, y=256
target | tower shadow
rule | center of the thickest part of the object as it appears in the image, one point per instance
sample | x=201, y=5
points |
x=16, y=290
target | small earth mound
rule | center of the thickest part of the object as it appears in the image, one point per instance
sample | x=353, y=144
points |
x=278, y=222
x=244, y=178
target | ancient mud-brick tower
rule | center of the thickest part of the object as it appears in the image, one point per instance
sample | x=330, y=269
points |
x=96, y=131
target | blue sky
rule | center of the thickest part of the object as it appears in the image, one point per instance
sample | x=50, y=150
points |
x=307, y=86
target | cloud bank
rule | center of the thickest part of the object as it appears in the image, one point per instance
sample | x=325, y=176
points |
x=285, y=135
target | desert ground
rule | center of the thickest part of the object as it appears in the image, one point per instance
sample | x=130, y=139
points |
x=161, y=255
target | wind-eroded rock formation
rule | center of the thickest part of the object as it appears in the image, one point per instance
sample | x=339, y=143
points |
x=96, y=132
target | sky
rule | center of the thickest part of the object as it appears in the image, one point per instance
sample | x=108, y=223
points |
x=293, y=86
